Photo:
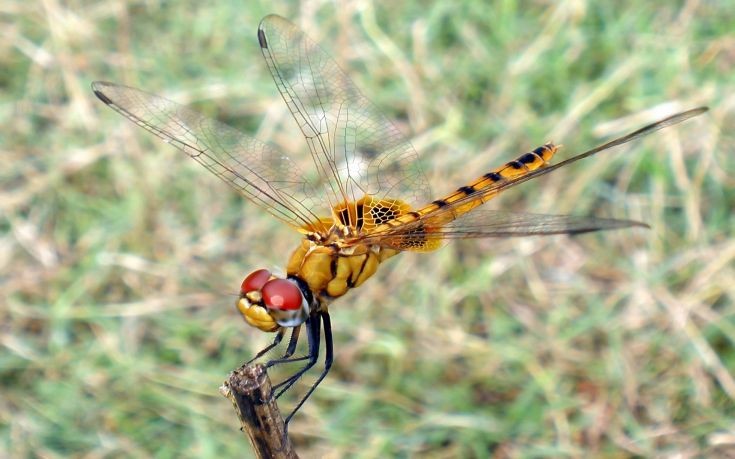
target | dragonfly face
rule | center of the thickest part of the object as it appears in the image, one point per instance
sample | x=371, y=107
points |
x=268, y=302
x=369, y=201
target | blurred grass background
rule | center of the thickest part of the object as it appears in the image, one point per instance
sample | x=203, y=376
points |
x=120, y=258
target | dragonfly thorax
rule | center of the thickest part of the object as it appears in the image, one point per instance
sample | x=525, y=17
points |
x=331, y=270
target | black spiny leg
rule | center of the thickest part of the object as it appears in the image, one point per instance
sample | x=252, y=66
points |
x=313, y=328
x=276, y=341
x=292, y=342
x=328, y=359
x=286, y=358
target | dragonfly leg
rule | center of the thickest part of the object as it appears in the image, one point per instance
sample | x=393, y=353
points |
x=328, y=359
x=292, y=343
x=286, y=358
x=276, y=341
x=314, y=335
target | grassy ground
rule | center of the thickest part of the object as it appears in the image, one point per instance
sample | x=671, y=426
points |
x=119, y=257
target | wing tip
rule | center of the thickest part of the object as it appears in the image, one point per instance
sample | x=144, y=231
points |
x=97, y=88
x=700, y=110
x=620, y=224
x=612, y=224
x=691, y=113
x=271, y=18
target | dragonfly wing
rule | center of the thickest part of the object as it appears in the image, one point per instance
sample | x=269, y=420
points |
x=257, y=170
x=460, y=219
x=355, y=148
x=494, y=223
x=504, y=184
x=486, y=223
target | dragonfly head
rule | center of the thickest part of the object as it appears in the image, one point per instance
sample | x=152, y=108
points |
x=268, y=302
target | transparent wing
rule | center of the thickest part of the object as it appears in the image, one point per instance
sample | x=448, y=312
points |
x=642, y=132
x=258, y=171
x=355, y=148
x=494, y=223
x=484, y=223
x=461, y=219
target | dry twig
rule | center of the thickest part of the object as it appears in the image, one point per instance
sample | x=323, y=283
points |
x=250, y=391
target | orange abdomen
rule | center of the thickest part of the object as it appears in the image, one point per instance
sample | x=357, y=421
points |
x=523, y=165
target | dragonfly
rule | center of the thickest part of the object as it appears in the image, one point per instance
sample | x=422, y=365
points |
x=365, y=200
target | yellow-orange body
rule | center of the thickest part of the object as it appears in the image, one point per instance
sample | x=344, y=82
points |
x=331, y=265
x=523, y=165
x=330, y=271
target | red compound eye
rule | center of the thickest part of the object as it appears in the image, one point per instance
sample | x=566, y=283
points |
x=255, y=281
x=281, y=294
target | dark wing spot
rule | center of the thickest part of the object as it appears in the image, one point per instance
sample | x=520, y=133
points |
x=261, y=39
x=103, y=97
